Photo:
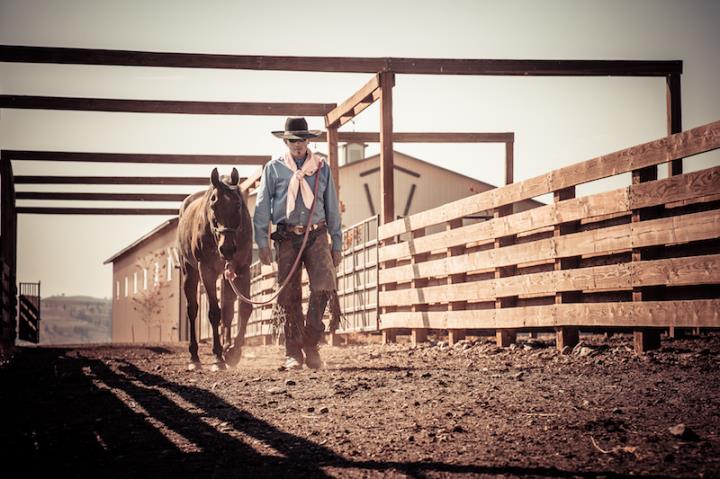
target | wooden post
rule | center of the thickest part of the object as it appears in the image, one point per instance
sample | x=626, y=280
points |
x=455, y=335
x=332, y=137
x=387, y=189
x=505, y=337
x=418, y=335
x=565, y=336
x=8, y=251
x=674, y=117
x=8, y=215
x=644, y=338
x=509, y=162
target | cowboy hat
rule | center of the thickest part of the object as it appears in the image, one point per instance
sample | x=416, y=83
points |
x=297, y=128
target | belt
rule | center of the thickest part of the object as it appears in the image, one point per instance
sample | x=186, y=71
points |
x=300, y=229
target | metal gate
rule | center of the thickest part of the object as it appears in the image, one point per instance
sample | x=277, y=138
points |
x=29, y=308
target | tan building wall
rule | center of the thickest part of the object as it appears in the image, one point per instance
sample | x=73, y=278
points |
x=135, y=287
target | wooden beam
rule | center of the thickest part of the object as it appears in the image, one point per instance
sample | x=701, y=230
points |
x=83, y=56
x=110, y=180
x=333, y=157
x=509, y=162
x=28, y=102
x=88, y=157
x=422, y=137
x=663, y=231
x=674, y=117
x=688, y=143
x=387, y=186
x=684, y=271
x=36, y=195
x=360, y=100
x=96, y=211
x=8, y=221
x=684, y=189
x=649, y=314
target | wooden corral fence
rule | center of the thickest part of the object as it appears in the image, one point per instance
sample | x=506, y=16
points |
x=643, y=257
x=357, y=287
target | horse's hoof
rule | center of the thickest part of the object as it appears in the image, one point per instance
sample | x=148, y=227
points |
x=194, y=366
x=232, y=356
x=218, y=367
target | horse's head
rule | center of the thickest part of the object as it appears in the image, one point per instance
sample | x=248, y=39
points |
x=224, y=209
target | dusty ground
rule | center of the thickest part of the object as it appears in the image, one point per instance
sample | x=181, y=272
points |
x=431, y=411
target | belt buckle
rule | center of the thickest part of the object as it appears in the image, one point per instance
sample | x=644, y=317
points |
x=299, y=229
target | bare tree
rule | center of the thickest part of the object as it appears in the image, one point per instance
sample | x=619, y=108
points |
x=151, y=298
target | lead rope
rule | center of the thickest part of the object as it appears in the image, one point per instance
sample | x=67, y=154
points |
x=231, y=274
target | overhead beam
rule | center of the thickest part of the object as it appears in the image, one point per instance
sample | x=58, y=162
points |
x=96, y=211
x=29, y=102
x=84, y=56
x=29, y=155
x=422, y=137
x=351, y=107
x=51, y=195
x=109, y=180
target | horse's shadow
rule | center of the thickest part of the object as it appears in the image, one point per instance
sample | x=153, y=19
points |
x=79, y=417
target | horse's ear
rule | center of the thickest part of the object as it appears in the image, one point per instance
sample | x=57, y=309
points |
x=215, y=178
x=234, y=177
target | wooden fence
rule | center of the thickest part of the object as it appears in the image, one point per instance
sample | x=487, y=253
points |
x=643, y=257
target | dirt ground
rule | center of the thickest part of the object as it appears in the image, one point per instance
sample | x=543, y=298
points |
x=471, y=410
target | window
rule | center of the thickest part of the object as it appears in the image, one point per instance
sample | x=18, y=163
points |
x=117, y=290
x=126, y=286
x=157, y=274
x=145, y=275
x=135, y=283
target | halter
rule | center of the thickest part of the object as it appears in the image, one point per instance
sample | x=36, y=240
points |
x=221, y=230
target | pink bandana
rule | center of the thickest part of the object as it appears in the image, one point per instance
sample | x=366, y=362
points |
x=312, y=164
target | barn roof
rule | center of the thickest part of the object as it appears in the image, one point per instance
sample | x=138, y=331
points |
x=165, y=224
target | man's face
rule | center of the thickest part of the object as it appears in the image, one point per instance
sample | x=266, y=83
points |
x=298, y=148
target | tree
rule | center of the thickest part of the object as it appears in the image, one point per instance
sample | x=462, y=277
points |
x=152, y=297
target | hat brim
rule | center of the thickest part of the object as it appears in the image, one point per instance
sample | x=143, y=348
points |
x=297, y=135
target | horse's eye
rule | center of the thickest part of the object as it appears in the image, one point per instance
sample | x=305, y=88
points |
x=213, y=198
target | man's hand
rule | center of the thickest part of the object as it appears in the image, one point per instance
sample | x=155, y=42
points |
x=337, y=257
x=265, y=255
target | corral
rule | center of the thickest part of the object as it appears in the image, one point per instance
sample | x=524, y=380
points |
x=642, y=259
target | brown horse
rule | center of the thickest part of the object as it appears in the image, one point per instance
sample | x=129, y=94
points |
x=215, y=228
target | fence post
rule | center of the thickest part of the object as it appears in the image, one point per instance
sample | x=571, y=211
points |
x=645, y=339
x=418, y=335
x=564, y=335
x=455, y=335
x=505, y=337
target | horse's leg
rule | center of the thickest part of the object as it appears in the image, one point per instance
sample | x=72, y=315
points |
x=190, y=283
x=209, y=279
x=242, y=282
x=227, y=309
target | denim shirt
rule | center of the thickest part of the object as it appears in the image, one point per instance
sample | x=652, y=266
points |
x=272, y=199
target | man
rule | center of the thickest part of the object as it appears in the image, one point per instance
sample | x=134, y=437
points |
x=286, y=197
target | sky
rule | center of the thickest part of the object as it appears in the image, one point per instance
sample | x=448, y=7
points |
x=556, y=121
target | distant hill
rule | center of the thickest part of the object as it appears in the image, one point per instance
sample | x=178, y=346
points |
x=75, y=319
